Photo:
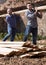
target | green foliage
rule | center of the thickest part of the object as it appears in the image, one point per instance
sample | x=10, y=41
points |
x=19, y=36
x=41, y=37
x=2, y=35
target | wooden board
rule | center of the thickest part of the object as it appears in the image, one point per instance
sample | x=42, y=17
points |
x=11, y=44
x=23, y=52
x=13, y=51
x=33, y=54
x=6, y=51
x=41, y=8
x=22, y=11
x=22, y=49
x=22, y=45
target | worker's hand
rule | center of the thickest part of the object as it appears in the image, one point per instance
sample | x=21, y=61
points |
x=35, y=12
x=40, y=12
x=36, y=8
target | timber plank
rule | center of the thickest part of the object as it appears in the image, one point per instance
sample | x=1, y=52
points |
x=23, y=11
x=21, y=49
x=33, y=54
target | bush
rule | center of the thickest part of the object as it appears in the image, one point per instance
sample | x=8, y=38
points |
x=2, y=35
x=19, y=36
x=41, y=37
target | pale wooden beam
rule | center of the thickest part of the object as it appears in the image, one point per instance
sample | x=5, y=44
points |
x=22, y=11
x=41, y=8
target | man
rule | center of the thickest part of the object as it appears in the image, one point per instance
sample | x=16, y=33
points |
x=11, y=25
x=32, y=25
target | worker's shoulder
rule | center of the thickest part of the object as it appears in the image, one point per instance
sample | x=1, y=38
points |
x=7, y=17
x=27, y=11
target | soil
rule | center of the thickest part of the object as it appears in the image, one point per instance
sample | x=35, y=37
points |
x=22, y=61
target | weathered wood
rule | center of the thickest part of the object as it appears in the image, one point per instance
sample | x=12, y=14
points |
x=23, y=45
x=21, y=48
x=11, y=44
x=35, y=47
x=14, y=51
x=17, y=52
x=22, y=11
x=6, y=51
x=41, y=8
x=23, y=52
x=33, y=54
x=18, y=12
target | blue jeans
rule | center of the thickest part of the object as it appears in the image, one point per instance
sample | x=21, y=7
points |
x=33, y=31
x=11, y=34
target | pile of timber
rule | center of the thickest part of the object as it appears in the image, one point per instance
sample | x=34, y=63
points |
x=21, y=49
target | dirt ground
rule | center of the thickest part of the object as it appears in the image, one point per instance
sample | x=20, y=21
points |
x=22, y=61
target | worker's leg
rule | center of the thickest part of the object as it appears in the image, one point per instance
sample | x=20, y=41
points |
x=27, y=31
x=8, y=35
x=13, y=34
x=34, y=33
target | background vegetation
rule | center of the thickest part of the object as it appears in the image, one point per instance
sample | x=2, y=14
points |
x=19, y=36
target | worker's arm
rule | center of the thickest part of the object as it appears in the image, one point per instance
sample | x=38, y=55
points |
x=7, y=19
x=39, y=14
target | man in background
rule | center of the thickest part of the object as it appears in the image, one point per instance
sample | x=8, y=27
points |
x=11, y=25
x=32, y=25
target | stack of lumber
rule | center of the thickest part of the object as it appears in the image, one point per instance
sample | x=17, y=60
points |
x=22, y=49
